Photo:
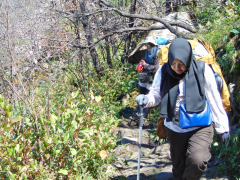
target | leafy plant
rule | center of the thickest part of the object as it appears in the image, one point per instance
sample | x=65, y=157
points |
x=229, y=152
x=71, y=135
x=222, y=24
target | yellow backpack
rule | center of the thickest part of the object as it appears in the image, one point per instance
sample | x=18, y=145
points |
x=209, y=59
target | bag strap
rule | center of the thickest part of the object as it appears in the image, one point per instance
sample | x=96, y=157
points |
x=163, y=71
x=219, y=81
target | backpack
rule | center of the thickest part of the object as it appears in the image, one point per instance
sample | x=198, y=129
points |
x=203, y=51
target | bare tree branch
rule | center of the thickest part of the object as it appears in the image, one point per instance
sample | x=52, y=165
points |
x=155, y=18
x=188, y=36
x=168, y=25
x=164, y=22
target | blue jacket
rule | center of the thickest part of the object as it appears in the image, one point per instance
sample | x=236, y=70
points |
x=152, y=62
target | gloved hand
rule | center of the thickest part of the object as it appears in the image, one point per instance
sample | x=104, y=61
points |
x=141, y=100
x=225, y=136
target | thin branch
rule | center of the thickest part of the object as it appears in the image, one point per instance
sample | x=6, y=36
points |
x=155, y=18
x=167, y=24
x=187, y=36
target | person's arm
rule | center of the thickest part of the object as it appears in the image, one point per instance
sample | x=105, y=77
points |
x=154, y=93
x=215, y=102
x=155, y=65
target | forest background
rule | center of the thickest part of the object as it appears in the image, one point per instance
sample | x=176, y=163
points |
x=65, y=63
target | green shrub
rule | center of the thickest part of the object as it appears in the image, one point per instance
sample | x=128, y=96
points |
x=70, y=133
x=67, y=145
x=229, y=153
x=222, y=31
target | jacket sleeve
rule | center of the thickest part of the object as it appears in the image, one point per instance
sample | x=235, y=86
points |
x=154, y=97
x=155, y=65
x=215, y=102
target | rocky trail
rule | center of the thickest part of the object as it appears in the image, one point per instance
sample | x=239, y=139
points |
x=155, y=158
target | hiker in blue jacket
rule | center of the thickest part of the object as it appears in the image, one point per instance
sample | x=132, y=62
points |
x=150, y=64
x=183, y=81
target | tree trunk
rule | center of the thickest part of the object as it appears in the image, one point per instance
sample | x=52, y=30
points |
x=105, y=31
x=171, y=6
x=109, y=62
x=114, y=49
x=92, y=49
x=129, y=36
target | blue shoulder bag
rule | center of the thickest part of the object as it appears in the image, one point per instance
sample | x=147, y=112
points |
x=188, y=119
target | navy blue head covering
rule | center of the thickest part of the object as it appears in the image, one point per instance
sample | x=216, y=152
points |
x=194, y=75
x=150, y=55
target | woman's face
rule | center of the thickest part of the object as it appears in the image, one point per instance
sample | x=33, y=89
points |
x=178, y=66
x=148, y=47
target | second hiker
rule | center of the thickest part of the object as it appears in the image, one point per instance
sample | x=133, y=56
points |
x=150, y=66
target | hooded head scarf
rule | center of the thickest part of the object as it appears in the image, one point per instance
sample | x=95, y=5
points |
x=150, y=55
x=194, y=75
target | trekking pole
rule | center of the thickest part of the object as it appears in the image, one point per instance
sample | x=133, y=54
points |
x=140, y=141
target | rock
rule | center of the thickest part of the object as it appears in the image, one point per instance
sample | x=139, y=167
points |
x=134, y=155
x=154, y=156
x=129, y=140
x=134, y=177
x=118, y=165
x=133, y=164
x=150, y=170
x=163, y=148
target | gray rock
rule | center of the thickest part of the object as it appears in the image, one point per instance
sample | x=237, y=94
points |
x=150, y=170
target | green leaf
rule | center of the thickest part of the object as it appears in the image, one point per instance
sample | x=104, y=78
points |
x=63, y=171
x=62, y=108
x=12, y=176
x=53, y=118
x=69, y=111
x=10, y=151
x=2, y=104
x=55, y=139
x=98, y=99
x=71, y=134
x=131, y=82
x=234, y=31
x=49, y=140
x=75, y=94
x=66, y=137
x=8, y=114
x=78, y=161
x=74, y=123
x=225, y=38
x=17, y=147
x=73, y=151
x=69, y=99
x=8, y=108
x=86, y=131
x=47, y=156
x=19, y=118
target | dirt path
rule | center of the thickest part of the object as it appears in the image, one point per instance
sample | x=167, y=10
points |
x=155, y=159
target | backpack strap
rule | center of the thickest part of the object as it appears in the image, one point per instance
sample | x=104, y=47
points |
x=163, y=71
x=219, y=81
